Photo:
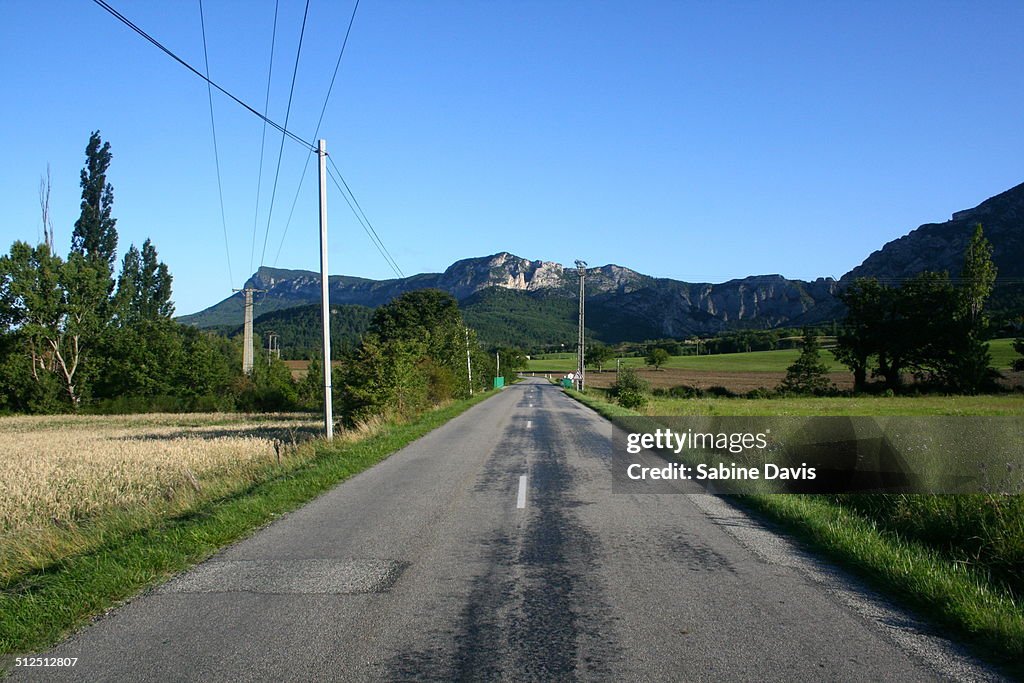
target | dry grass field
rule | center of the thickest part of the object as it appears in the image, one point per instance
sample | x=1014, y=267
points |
x=69, y=481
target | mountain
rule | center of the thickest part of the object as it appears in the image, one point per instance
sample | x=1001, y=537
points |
x=503, y=290
x=940, y=246
x=510, y=299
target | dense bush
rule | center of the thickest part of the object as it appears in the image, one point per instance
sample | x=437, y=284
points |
x=629, y=390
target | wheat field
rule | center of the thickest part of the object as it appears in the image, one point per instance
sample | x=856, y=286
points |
x=68, y=481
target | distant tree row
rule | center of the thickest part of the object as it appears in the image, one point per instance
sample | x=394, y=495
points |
x=928, y=327
x=299, y=333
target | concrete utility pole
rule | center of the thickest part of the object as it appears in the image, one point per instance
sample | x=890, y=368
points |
x=580, y=363
x=497, y=364
x=325, y=300
x=247, y=352
x=469, y=363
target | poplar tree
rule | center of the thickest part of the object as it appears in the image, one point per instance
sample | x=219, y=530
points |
x=95, y=235
x=977, y=278
x=971, y=368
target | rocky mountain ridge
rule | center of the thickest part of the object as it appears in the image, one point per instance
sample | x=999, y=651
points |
x=631, y=305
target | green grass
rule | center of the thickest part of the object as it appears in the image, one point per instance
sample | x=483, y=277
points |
x=954, y=559
x=754, y=361
x=957, y=596
x=40, y=608
x=998, y=404
x=1002, y=352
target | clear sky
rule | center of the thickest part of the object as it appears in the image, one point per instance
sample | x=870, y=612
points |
x=700, y=141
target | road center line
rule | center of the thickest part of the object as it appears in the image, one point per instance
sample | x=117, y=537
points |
x=529, y=423
x=521, y=497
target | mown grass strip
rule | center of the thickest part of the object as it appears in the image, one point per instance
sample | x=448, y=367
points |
x=959, y=599
x=45, y=606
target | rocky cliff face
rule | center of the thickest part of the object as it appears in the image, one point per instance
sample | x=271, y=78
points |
x=940, y=246
x=644, y=305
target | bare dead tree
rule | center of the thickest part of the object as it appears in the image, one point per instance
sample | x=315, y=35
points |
x=44, y=205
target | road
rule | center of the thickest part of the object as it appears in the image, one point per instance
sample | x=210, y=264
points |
x=493, y=549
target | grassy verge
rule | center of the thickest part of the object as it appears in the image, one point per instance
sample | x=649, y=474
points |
x=43, y=606
x=963, y=597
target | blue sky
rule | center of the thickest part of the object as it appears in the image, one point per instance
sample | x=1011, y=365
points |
x=695, y=140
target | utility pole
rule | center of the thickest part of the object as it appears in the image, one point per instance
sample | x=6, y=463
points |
x=497, y=364
x=325, y=294
x=469, y=363
x=247, y=353
x=273, y=346
x=580, y=364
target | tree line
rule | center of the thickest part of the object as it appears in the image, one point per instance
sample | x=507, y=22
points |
x=929, y=328
x=80, y=333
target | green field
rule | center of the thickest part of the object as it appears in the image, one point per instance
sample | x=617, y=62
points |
x=1002, y=404
x=754, y=361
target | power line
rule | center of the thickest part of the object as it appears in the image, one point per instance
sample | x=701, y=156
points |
x=127, y=22
x=263, y=139
x=216, y=153
x=323, y=110
x=280, y=152
x=363, y=213
x=353, y=202
x=363, y=221
x=368, y=229
x=337, y=65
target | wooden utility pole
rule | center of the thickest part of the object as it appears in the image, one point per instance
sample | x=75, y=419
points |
x=325, y=295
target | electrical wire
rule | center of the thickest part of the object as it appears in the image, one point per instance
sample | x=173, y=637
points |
x=263, y=140
x=363, y=214
x=323, y=110
x=273, y=124
x=216, y=153
x=363, y=221
x=280, y=152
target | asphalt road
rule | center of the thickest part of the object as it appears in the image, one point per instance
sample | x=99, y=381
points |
x=493, y=549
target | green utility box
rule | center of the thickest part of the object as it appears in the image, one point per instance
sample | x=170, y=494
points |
x=566, y=383
x=499, y=382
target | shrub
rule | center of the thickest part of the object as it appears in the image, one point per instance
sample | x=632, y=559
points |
x=629, y=391
x=685, y=391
